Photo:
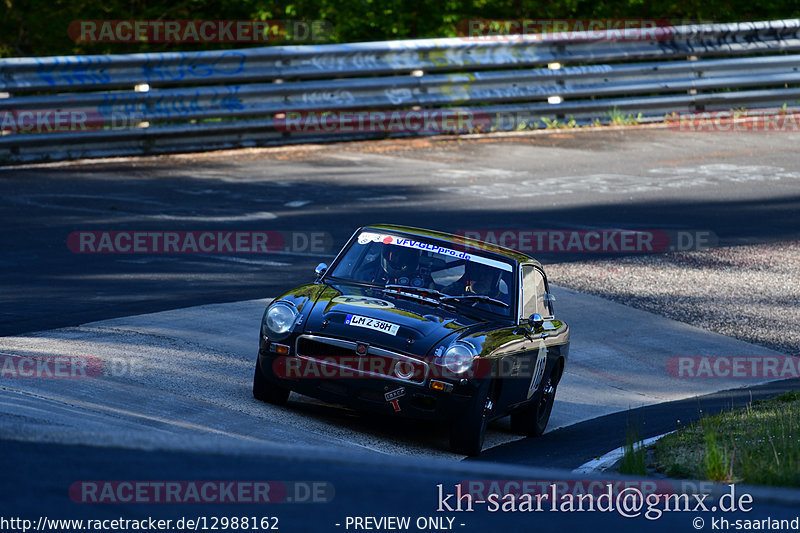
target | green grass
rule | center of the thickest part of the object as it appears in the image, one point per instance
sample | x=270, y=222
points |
x=758, y=445
x=555, y=124
x=618, y=118
x=634, y=458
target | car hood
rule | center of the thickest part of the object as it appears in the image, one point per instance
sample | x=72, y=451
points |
x=420, y=326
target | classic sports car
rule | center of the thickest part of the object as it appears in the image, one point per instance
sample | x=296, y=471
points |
x=423, y=324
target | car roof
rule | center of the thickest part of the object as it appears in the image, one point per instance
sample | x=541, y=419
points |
x=508, y=253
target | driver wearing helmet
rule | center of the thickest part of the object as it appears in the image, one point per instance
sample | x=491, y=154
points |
x=477, y=279
x=399, y=264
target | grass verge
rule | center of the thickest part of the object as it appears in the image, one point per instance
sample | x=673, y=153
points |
x=634, y=456
x=757, y=445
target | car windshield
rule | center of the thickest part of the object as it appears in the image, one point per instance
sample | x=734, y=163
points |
x=430, y=269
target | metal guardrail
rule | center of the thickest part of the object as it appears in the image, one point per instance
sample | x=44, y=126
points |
x=187, y=101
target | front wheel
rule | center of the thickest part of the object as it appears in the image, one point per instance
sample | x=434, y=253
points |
x=468, y=432
x=267, y=391
x=531, y=420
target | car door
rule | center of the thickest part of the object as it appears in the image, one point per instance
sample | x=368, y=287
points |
x=524, y=369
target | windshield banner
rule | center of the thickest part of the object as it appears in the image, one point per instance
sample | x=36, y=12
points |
x=367, y=236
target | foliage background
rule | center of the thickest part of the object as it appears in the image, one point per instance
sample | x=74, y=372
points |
x=39, y=27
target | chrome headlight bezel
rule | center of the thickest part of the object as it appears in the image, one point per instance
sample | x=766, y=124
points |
x=458, y=357
x=279, y=320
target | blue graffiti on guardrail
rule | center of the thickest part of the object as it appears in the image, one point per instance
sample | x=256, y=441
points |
x=175, y=105
x=510, y=77
x=193, y=65
x=358, y=60
x=196, y=104
x=94, y=70
x=74, y=70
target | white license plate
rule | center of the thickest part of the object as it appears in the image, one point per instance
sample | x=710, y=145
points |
x=371, y=323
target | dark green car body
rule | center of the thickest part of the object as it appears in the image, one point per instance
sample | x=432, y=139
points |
x=393, y=362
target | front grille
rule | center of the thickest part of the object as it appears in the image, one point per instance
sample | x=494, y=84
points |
x=377, y=362
x=308, y=347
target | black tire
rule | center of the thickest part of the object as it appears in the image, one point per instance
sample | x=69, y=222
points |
x=468, y=432
x=267, y=391
x=531, y=420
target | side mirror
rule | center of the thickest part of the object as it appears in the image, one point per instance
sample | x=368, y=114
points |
x=536, y=320
x=321, y=269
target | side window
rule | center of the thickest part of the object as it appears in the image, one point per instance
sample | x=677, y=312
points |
x=533, y=292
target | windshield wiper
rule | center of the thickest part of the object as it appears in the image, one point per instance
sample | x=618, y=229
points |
x=418, y=293
x=479, y=298
x=422, y=290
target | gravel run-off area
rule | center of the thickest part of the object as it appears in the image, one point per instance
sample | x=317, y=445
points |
x=749, y=292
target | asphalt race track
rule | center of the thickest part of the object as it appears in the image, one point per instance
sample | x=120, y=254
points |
x=176, y=333
x=743, y=187
x=191, y=370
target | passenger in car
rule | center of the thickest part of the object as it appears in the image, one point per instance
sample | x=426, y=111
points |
x=478, y=279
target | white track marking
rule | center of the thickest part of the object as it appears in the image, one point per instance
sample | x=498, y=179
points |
x=601, y=464
x=395, y=198
x=261, y=215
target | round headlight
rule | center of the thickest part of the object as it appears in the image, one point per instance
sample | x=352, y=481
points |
x=458, y=358
x=280, y=318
